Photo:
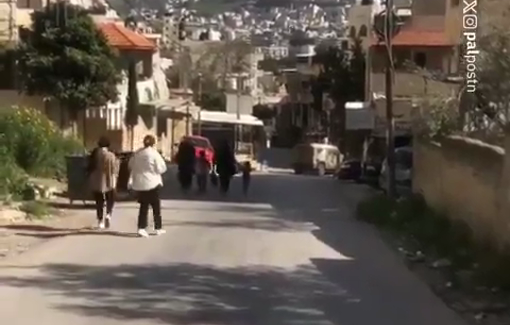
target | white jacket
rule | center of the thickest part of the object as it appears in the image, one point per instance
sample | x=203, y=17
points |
x=146, y=167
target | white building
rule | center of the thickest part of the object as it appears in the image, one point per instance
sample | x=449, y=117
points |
x=273, y=51
x=8, y=25
x=360, y=21
x=170, y=30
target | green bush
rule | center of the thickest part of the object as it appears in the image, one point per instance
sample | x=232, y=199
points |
x=34, y=143
x=14, y=179
x=376, y=209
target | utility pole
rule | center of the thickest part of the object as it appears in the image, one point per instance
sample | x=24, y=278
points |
x=199, y=103
x=390, y=124
x=238, y=113
x=187, y=116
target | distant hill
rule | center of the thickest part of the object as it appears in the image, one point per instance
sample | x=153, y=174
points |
x=204, y=7
x=124, y=7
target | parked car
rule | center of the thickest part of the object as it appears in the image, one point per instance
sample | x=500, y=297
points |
x=371, y=171
x=365, y=172
x=201, y=144
x=350, y=169
x=403, y=171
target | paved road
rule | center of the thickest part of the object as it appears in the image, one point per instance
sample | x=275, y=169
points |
x=291, y=254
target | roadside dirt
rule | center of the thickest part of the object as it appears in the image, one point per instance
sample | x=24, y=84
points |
x=17, y=237
x=476, y=304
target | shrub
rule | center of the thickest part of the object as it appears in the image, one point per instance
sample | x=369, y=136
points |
x=14, y=179
x=34, y=143
x=376, y=209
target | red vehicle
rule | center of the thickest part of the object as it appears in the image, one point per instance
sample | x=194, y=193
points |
x=201, y=144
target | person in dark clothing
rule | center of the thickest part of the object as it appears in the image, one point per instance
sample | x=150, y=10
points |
x=202, y=171
x=247, y=169
x=225, y=166
x=186, y=164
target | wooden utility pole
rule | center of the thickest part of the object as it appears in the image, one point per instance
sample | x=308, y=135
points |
x=390, y=153
x=200, y=104
x=238, y=113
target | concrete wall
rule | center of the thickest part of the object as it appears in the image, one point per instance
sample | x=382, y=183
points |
x=469, y=181
x=410, y=85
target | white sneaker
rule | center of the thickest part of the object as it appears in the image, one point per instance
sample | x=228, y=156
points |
x=160, y=232
x=143, y=233
x=101, y=224
x=108, y=221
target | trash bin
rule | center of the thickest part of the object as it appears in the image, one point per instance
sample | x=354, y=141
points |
x=77, y=183
x=123, y=179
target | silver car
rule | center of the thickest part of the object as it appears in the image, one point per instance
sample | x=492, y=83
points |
x=403, y=171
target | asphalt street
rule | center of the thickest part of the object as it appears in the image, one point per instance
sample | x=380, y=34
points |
x=290, y=253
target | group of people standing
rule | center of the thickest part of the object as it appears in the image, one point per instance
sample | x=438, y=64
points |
x=224, y=167
x=146, y=168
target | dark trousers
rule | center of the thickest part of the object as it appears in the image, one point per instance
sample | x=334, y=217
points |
x=202, y=182
x=225, y=183
x=185, y=179
x=246, y=184
x=101, y=198
x=149, y=199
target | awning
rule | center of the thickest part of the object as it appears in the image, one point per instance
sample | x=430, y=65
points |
x=226, y=118
x=178, y=105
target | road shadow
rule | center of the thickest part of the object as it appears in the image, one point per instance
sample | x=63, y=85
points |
x=47, y=232
x=196, y=294
x=77, y=233
x=37, y=228
x=267, y=224
x=89, y=204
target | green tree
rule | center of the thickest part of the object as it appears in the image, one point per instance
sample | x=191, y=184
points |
x=67, y=59
x=132, y=112
x=342, y=76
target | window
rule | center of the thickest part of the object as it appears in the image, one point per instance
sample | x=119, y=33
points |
x=420, y=59
x=198, y=142
x=29, y=4
x=402, y=57
x=363, y=31
x=404, y=159
x=303, y=59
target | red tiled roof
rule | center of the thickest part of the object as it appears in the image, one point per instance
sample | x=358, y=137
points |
x=418, y=38
x=123, y=38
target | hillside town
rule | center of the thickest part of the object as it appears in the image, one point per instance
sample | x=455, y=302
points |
x=254, y=162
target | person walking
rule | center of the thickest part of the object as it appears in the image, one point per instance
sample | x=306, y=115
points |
x=247, y=169
x=203, y=168
x=103, y=170
x=186, y=164
x=225, y=166
x=147, y=166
